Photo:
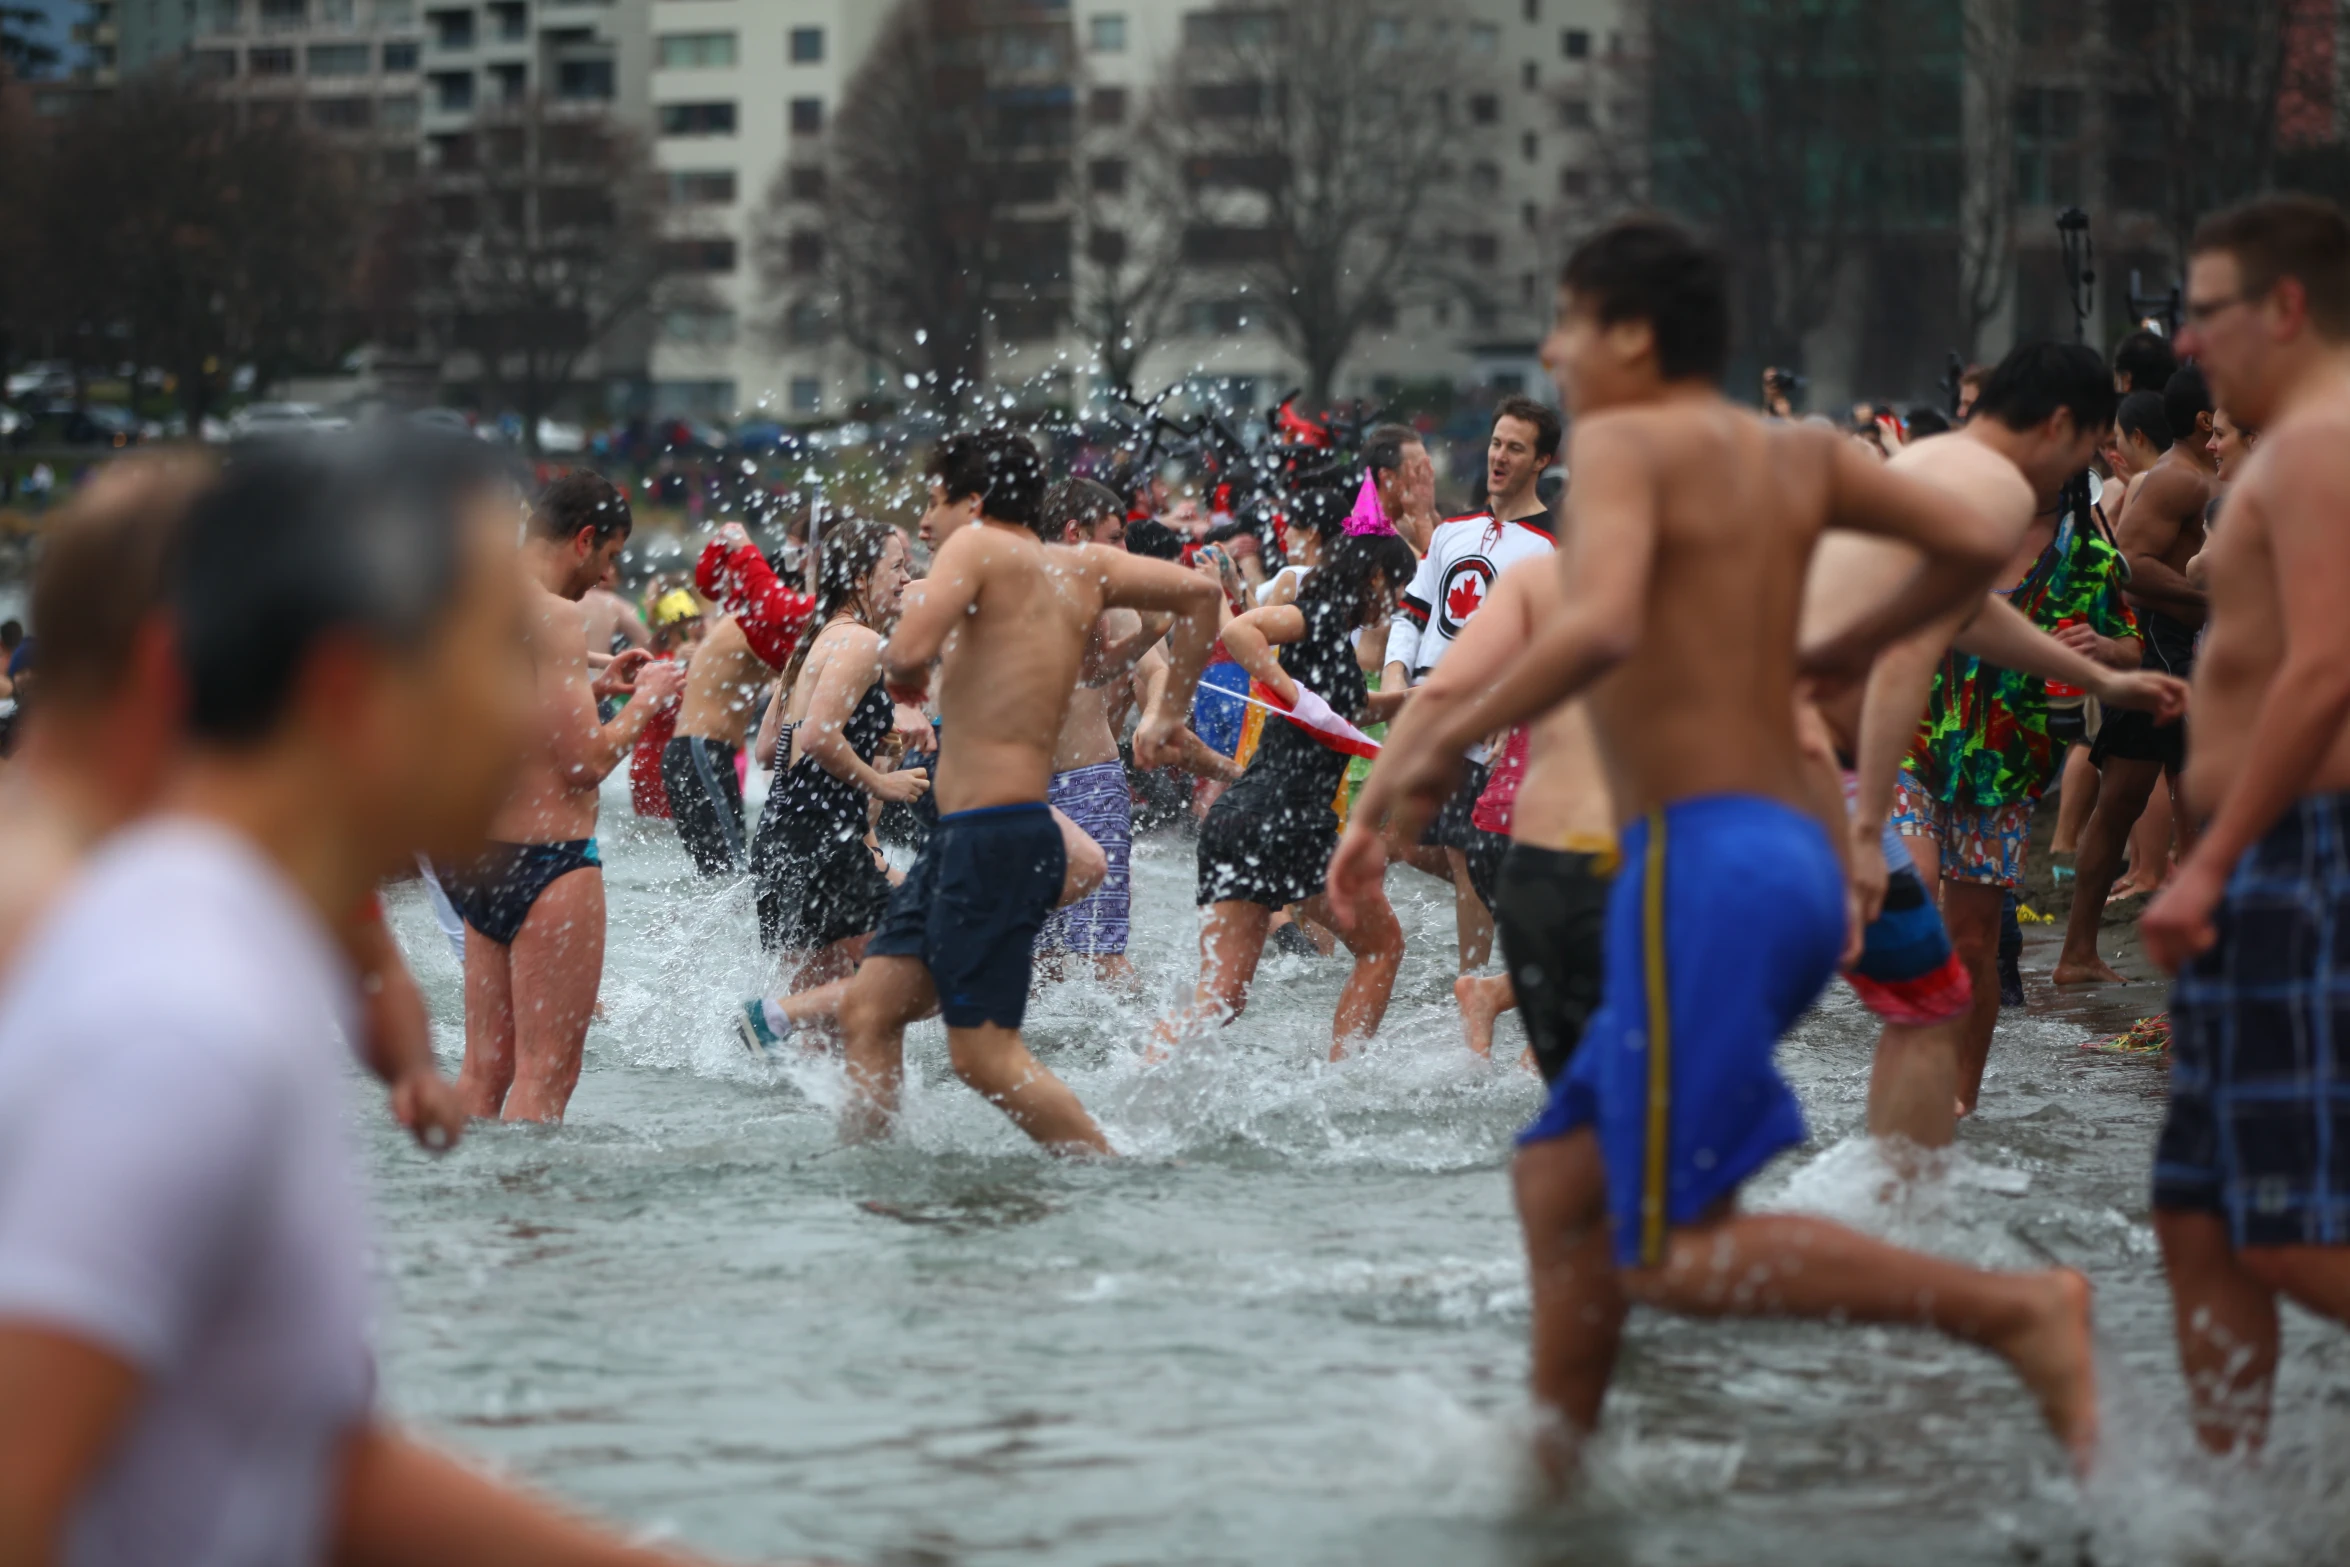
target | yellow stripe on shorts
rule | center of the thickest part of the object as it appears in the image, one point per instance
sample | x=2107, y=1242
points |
x=1658, y=1163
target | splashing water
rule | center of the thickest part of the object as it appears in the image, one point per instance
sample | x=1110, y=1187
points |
x=1289, y=1327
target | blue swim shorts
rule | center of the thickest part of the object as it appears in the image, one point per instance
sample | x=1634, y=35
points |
x=971, y=906
x=1723, y=928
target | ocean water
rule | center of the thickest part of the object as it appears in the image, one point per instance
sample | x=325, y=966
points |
x=1289, y=1328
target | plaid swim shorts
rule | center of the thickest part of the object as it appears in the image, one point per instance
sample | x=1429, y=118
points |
x=1979, y=843
x=2259, y=1124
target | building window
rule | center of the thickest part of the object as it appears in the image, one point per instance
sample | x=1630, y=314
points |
x=284, y=15
x=698, y=255
x=342, y=114
x=715, y=326
x=2048, y=151
x=1484, y=38
x=803, y=252
x=1533, y=10
x=270, y=62
x=509, y=81
x=1531, y=75
x=807, y=116
x=1529, y=217
x=1532, y=146
x=805, y=324
x=1483, y=250
x=451, y=29
x=696, y=51
x=807, y=45
x=400, y=56
x=1107, y=176
x=1484, y=109
x=1106, y=247
x=807, y=395
x=1107, y=106
x=697, y=119
x=806, y=182
x=214, y=65
x=1107, y=33
x=583, y=79
x=1575, y=113
x=398, y=113
x=395, y=13
x=513, y=20
x=1484, y=178
x=1215, y=317
x=1574, y=184
x=701, y=187
x=340, y=59
x=452, y=92
x=1575, y=44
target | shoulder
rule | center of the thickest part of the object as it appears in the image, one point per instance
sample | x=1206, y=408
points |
x=2299, y=460
x=559, y=615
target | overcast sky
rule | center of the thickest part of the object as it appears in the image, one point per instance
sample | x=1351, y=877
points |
x=62, y=14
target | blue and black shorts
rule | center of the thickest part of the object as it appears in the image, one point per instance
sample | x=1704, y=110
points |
x=971, y=907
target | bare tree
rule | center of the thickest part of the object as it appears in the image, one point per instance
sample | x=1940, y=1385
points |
x=530, y=247
x=1130, y=226
x=941, y=212
x=1987, y=141
x=1321, y=144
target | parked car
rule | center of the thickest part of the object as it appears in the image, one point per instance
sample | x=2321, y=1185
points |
x=259, y=421
x=449, y=420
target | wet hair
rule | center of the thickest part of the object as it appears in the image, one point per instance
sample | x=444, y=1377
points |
x=1322, y=510
x=1002, y=468
x=580, y=499
x=1651, y=269
x=1084, y=503
x=1541, y=416
x=2184, y=396
x=2036, y=379
x=1383, y=448
x=1924, y=421
x=358, y=534
x=2143, y=414
x=2147, y=359
x=1350, y=576
x=103, y=572
x=847, y=551
x=11, y=634
x=2305, y=238
x=1151, y=538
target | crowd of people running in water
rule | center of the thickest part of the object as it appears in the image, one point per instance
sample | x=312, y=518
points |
x=1751, y=707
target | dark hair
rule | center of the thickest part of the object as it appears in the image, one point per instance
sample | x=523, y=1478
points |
x=1320, y=509
x=11, y=633
x=1924, y=421
x=103, y=571
x=1651, y=269
x=582, y=498
x=1084, y=503
x=359, y=533
x=1544, y=418
x=1383, y=448
x=2147, y=359
x=1002, y=468
x=2142, y=413
x=1349, y=577
x=2036, y=379
x=2183, y=397
x=2285, y=236
x=847, y=550
x=1147, y=536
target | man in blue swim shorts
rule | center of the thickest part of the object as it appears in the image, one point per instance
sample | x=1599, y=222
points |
x=1009, y=623
x=2252, y=1173
x=1690, y=524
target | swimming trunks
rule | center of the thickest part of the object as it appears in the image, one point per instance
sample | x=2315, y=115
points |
x=817, y=881
x=1975, y=843
x=706, y=802
x=1550, y=915
x=2259, y=1124
x=1907, y=972
x=1723, y=927
x=970, y=909
x=1097, y=800
x=1483, y=857
x=496, y=890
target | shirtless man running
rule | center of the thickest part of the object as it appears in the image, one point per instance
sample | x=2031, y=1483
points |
x=723, y=685
x=1008, y=621
x=1692, y=524
x=2253, y=1167
x=533, y=902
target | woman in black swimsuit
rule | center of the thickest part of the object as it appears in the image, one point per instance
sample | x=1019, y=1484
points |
x=1268, y=839
x=820, y=882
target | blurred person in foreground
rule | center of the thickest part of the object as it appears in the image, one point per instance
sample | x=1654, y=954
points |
x=185, y=1375
x=2252, y=1171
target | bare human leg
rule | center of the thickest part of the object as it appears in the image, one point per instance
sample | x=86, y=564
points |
x=1483, y=998
x=1579, y=1303
x=885, y=995
x=1971, y=912
x=2077, y=797
x=1472, y=921
x=2121, y=797
x=1231, y=943
x=558, y=963
x=2225, y=1320
x=1913, y=1083
x=995, y=1061
x=2150, y=847
x=1377, y=945
x=488, y=1071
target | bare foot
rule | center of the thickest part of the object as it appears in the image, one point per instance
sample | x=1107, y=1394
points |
x=2055, y=1354
x=1481, y=1002
x=2122, y=890
x=2092, y=970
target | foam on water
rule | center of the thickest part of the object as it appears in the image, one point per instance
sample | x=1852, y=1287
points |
x=1289, y=1327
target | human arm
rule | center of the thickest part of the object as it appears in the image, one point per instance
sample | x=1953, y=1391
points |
x=733, y=574
x=396, y=1034
x=1126, y=636
x=2304, y=704
x=2148, y=531
x=1412, y=609
x=2002, y=634
x=63, y=1404
x=1251, y=638
x=932, y=610
x=1821, y=779
x=852, y=663
x=1197, y=605
x=1193, y=755
x=767, y=748
x=584, y=750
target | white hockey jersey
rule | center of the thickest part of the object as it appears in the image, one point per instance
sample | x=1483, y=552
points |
x=1464, y=556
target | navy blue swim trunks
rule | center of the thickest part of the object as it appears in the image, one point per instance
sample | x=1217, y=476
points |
x=496, y=890
x=971, y=907
x=1724, y=926
x=2259, y=1125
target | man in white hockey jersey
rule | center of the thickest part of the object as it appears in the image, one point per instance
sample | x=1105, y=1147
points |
x=1464, y=557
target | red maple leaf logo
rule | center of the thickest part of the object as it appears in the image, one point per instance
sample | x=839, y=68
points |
x=1464, y=598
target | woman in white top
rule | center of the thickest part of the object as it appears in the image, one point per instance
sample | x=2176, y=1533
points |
x=1305, y=547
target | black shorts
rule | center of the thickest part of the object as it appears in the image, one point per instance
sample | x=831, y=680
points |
x=811, y=900
x=1276, y=859
x=1485, y=853
x=1454, y=826
x=2135, y=737
x=970, y=909
x=706, y=802
x=1550, y=911
x=2068, y=724
x=495, y=891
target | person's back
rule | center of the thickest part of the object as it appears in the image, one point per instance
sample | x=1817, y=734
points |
x=1008, y=671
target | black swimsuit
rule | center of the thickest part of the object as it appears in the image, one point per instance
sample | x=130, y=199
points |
x=817, y=881
x=1268, y=838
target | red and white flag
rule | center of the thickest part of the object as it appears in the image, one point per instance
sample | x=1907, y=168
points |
x=1315, y=716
